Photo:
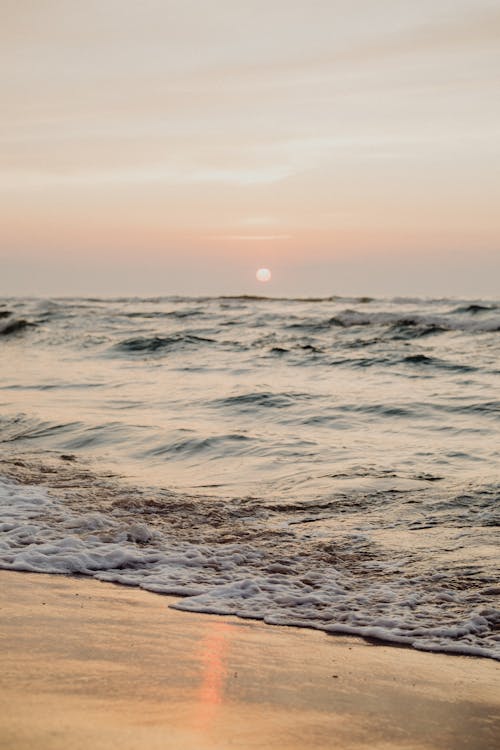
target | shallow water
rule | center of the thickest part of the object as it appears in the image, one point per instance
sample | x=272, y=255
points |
x=332, y=463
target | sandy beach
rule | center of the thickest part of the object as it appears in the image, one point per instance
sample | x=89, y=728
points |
x=87, y=664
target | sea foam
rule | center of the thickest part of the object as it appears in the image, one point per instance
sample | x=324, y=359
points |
x=41, y=533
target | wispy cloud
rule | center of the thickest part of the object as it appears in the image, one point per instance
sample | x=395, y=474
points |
x=253, y=237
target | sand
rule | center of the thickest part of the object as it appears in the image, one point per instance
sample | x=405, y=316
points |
x=93, y=665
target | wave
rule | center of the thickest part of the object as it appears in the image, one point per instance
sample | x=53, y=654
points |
x=422, y=362
x=15, y=326
x=414, y=325
x=487, y=408
x=410, y=329
x=412, y=410
x=25, y=428
x=220, y=559
x=151, y=314
x=426, y=361
x=67, y=436
x=231, y=444
x=147, y=344
x=476, y=309
x=266, y=399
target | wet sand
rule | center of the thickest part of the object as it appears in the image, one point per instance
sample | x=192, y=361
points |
x=93, y=665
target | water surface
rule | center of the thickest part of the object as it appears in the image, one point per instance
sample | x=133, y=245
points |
x=332, y=463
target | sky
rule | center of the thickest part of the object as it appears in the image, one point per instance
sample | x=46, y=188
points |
x=174, y=147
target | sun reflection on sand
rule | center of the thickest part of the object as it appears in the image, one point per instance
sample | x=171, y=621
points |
x=214, y=652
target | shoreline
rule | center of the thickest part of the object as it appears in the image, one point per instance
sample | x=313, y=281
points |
x=66, y=480
x=91, y=664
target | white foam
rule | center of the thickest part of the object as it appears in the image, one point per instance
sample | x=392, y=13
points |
x=40, y=533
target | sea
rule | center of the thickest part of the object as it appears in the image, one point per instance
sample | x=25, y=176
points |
x=329, y=463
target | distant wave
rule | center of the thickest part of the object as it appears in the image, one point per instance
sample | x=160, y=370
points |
x=245, y=401
x=420, y=325
x=158, y=343
x=475, y=308
x=423, y=359
x=410, y=329
x=151, y=314
x=15, y=326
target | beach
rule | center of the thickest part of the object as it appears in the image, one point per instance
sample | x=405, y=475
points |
x=249, y=367
x=91, y=664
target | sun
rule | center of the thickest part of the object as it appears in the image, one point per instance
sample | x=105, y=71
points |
x=263, y=274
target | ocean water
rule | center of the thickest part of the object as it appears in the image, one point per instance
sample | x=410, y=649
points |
x=329, y=463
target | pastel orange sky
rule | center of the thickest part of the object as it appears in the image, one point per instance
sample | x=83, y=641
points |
x=163, y=147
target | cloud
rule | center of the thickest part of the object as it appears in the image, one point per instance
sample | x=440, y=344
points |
x=254, y=237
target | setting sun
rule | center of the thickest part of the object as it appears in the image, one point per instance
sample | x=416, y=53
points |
x=263, y=274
